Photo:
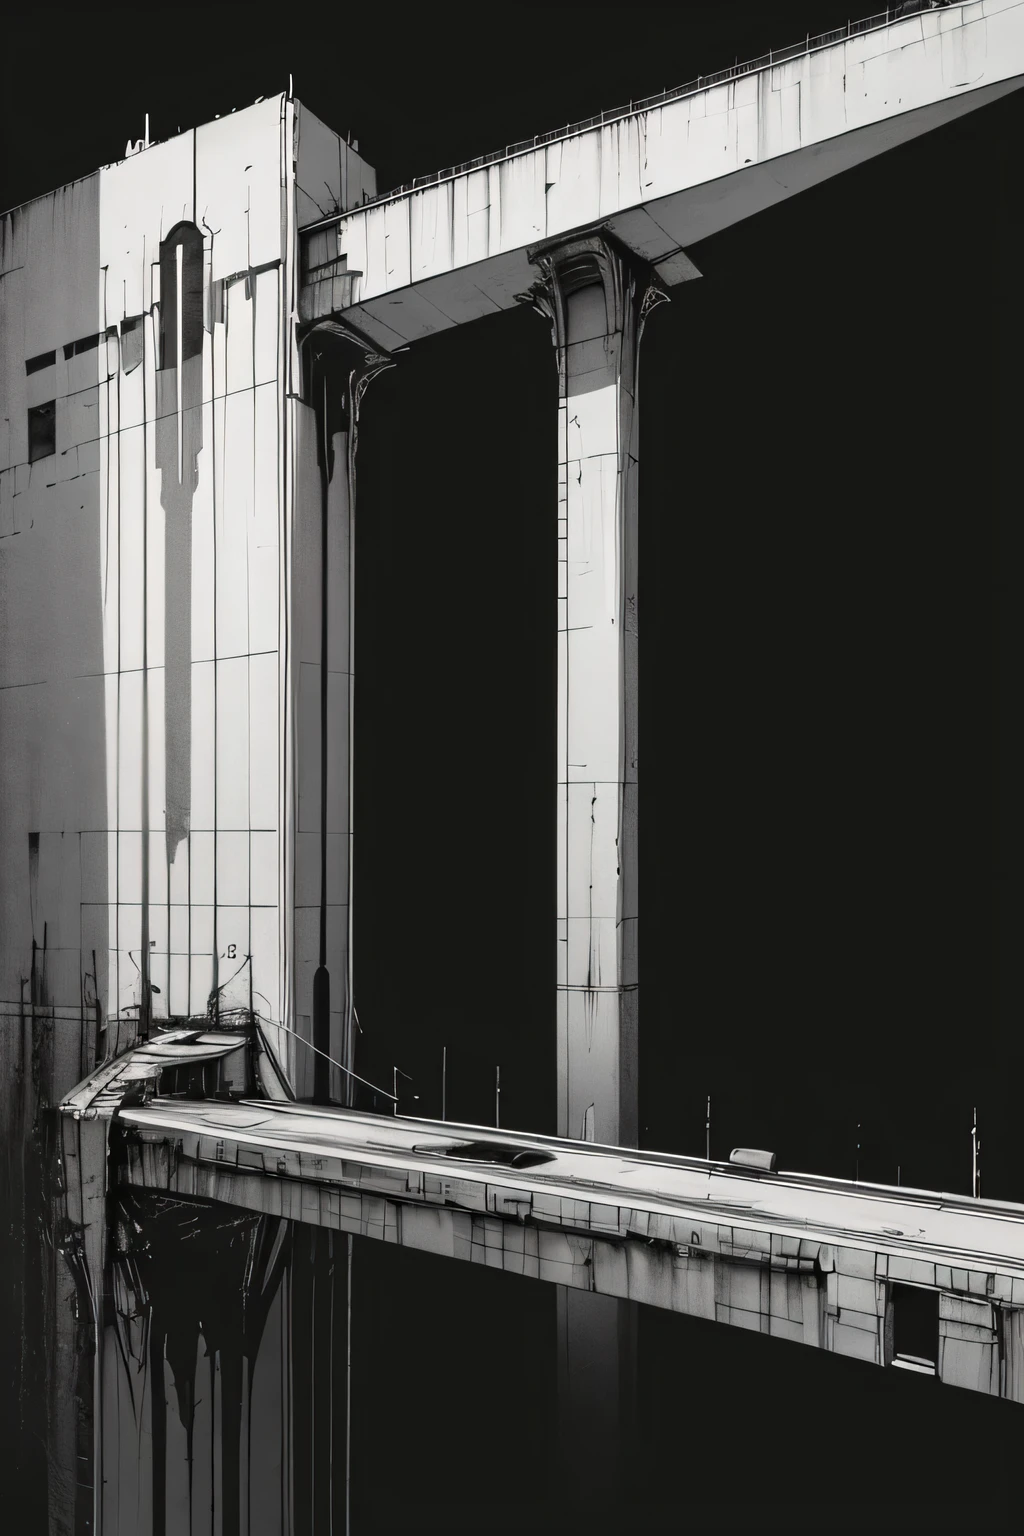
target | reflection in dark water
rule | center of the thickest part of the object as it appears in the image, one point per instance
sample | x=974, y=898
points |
x=225, y=1357
x=192, y=1292
x=217, y=1401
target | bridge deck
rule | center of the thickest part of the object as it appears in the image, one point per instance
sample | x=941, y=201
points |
x=913, y=1223
x=813, y=1260
x=661, y=176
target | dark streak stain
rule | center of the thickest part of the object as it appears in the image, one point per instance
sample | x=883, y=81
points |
x=184, y=333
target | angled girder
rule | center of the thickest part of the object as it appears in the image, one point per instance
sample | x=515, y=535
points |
x=667, y=176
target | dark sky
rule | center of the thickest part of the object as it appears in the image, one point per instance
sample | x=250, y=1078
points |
x=830, y=821
x=437, y=85
x=832, y=755
x=831, y=832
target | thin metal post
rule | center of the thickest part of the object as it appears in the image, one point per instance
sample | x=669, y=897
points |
x=497, y=1096
x=707, y=1132
x=444, y=1082
x=897, y=1175
x=974, y=1155
x=394, y=1084
x=856, y=1163
x=348, y=1389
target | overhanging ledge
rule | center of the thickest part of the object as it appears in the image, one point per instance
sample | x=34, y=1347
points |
x=662, y=178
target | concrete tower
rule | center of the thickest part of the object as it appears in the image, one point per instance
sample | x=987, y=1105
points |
x=175, y=671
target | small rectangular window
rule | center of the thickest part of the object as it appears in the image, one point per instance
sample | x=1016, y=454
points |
x=37, y=364
x=42, y=431
x=83, y=344
x=915, y=1325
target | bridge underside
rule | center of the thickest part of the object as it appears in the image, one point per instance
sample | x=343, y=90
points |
x=718, y=1260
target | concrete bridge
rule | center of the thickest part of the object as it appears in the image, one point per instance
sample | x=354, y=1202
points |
x=590, y=224
x=908, y=1279
x=183, y=397
x=846, y=1267
x=657, y=175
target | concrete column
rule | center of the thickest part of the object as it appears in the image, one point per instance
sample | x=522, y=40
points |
x=597, y=1394
x=339, y=369
x=597, y=300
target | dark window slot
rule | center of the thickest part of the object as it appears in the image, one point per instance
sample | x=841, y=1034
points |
x=37, y=364
x=83, y=344
x=42, y=431
x=131, y=342
x=915, y=1323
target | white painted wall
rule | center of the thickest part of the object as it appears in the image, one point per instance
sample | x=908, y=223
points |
x=83, y=585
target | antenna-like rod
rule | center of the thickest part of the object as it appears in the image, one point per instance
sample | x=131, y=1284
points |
x=707, y=1132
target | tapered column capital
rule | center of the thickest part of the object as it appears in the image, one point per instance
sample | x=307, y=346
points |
x=338, y=364
x=585, y=260
x=339, y=349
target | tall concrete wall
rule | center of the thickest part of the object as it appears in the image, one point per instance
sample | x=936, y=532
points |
x=52, y=689
x=156, y=742
x=160, y=566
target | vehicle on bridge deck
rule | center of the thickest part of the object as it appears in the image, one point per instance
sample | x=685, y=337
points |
x=918, y=1279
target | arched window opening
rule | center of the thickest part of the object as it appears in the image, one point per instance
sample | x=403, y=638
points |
x=181, y=295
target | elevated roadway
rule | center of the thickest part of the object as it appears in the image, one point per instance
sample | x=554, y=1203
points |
x=658, y=175
x=822, y=1261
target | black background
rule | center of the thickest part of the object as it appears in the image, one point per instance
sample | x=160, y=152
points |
x=832, y=756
